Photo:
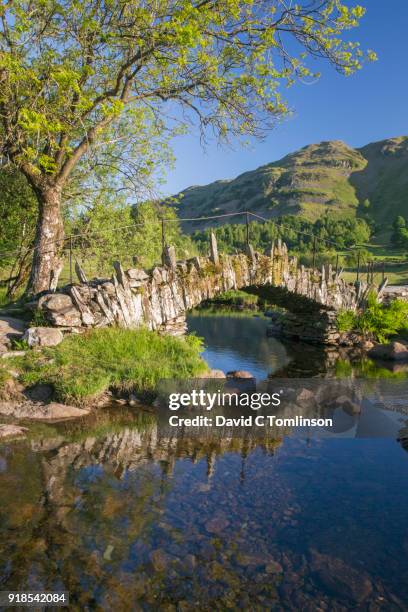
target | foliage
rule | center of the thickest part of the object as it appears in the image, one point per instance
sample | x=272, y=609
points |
x=382, y=320
x=346, y=320
x=71, y=69
x=114, y=230
x=298, y=233
x=84, y=366
x=80, y=78
x=18, y=212
x=376, y=320
x=399, y=236
x=18, y=215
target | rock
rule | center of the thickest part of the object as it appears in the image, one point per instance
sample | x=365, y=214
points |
x=394, y=351
x=239, y=374
x=305, y=396
x=54, y=410
x=11, y=354
x=347, y=404
x=217, y=524
x=212, y=374
x=12, y=431
x=159, y=559
x=10, y=329
x=43, y=336
x=137, y=274
x=37, y=411
x=55, y=302
x=341, y=579
x=214, y=249
x=273, y=567
x=66, y=318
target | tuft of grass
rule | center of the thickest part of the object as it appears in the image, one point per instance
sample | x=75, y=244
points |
x=84, y=366
x=236, y=298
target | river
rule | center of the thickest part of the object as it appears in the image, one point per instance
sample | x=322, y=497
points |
x=126, y=519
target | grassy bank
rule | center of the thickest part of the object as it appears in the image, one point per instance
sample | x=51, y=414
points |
x=83, y=366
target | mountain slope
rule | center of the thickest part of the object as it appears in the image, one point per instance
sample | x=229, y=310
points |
x=325, y=178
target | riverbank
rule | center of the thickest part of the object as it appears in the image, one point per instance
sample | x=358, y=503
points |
x=84, y=370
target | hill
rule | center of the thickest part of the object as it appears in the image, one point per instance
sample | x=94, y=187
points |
x=319, y=179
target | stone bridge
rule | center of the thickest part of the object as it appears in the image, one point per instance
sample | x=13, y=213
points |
x=161, y=298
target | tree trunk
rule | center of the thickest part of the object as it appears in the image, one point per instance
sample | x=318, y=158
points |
x=47, y=263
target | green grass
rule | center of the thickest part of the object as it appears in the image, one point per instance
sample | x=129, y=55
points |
x=236, y=298
x=84, y=366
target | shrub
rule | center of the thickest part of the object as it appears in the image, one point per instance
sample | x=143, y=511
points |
x=382, y=321
x=379, y=321
x=346, y=320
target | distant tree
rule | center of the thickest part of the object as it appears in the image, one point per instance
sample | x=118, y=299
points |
x=399, y=236
x=71, y=70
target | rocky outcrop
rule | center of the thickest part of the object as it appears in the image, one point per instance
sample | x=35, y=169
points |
x=160, y=298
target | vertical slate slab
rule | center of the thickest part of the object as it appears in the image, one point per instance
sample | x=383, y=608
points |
x=169, y=257
x=80, y=273
x=214, y=249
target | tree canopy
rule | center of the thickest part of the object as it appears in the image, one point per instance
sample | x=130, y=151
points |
x=72, y=69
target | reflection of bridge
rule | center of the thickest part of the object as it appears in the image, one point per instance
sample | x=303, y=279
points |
x=161, y=298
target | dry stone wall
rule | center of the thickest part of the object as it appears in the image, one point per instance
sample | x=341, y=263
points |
x=159, y=299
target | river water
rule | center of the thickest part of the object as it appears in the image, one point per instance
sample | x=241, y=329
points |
x=126, y=519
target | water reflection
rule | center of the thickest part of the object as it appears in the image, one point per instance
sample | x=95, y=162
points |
x=123, y=516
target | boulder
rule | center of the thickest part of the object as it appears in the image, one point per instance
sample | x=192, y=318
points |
x=394, y=351
x=55, y=302
x=10, y=329
x=43, y=336
x=38, y=411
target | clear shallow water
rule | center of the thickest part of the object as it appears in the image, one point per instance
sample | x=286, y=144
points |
x=126, y=518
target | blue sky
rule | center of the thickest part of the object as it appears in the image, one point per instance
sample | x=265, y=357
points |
x=370, y=105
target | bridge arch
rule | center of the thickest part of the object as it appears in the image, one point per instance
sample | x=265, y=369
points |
x=159, y=299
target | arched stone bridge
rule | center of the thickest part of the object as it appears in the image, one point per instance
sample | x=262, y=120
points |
x=160, y=299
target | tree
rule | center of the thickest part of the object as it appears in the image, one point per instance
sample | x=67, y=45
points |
x=399, y=236
x=70, y=70
x=18, y=215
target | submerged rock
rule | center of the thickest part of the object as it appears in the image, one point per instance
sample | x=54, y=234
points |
x=341, y=579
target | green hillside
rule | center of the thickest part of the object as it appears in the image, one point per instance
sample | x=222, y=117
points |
x=326, y=178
